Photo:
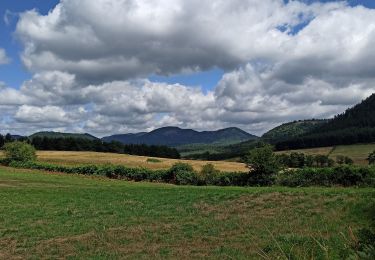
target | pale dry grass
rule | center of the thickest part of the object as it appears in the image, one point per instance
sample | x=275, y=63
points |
x=358, y=152
x=75, y=158
x=310, y=151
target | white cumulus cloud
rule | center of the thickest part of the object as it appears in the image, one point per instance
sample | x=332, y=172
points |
x=282, y=61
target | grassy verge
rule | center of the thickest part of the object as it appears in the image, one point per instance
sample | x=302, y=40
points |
x=55, y=215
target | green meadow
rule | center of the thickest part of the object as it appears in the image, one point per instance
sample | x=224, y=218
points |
x=46, y=215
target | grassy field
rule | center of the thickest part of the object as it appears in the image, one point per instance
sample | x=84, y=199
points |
x=47, y=216
x=358, y=152
x=74, y=158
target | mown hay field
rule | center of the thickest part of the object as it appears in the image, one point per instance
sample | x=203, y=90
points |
x=58, y=216
x=77, y=158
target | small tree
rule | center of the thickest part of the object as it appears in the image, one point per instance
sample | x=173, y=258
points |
x=371, y=158
x=19, y=151
x=340, y=159
x=348, y=160
x=209, y=173
x=309, y=162
x=263, y=165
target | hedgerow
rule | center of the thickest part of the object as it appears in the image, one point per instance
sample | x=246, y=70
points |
x=184, y=174
x=336, y=176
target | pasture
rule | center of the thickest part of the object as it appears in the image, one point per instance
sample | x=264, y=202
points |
x=358, y=152
x=46, y=215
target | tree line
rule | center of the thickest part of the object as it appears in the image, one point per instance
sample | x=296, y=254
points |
x=82, y=144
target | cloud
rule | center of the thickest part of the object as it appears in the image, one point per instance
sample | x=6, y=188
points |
x=3, y=57
x=135, y=38
x=245, y=98
x=45, y=114
x=282, y=62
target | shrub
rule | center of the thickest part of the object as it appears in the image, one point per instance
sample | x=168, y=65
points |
x=341, y=175
x=186, y=178
x=323, y=160
x=309, y=161
x=209, y=173
x=263, y=165
x=340, y=159
x=179, y=169
x=297, y=160
x=19, y=151
x=153, y=160
x=371, y=158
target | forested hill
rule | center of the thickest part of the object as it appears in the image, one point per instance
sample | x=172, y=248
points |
x=174, y=136
x=292, y=129
x=355, y=125
x=63, y=135
x=359, y=116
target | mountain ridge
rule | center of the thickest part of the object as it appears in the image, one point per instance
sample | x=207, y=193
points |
x=175, y=136
x=52, y=134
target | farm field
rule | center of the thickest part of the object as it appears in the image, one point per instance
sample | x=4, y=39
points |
x=358, y=152
x=48, y=215
x=74, y=158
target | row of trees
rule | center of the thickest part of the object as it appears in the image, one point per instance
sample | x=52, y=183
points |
x=265, y=166
x=300, y=160
x=81, y=144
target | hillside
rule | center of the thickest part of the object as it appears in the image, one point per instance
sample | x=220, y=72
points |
x=63, y=135
x=359, y=116
x=292, y=129
x=355, y=125
x=174, y=136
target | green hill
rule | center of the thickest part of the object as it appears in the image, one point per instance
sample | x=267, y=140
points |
x=292, y=129
x=355, y=125
x=175, y=136
x=63, y=135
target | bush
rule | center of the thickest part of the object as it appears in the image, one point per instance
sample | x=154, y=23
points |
x=181, y=173
x=153, y=160
x=186, y=178
x=371, y=158
x=19, y=151
x=209, y=173
x=341, y=175
x=263, y=165
x=340, y=159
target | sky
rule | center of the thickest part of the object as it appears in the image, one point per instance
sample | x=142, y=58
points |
x=120, y=66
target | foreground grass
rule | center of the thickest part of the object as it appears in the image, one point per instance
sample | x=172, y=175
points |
x=358, y=152
x=53, y=215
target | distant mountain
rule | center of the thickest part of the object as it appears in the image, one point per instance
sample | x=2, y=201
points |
x=63, y=135
x=292, y=129
x=175, y=136
x=124, y=138
x=355, y=125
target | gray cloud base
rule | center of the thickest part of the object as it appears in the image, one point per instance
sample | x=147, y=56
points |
x=90, y=73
